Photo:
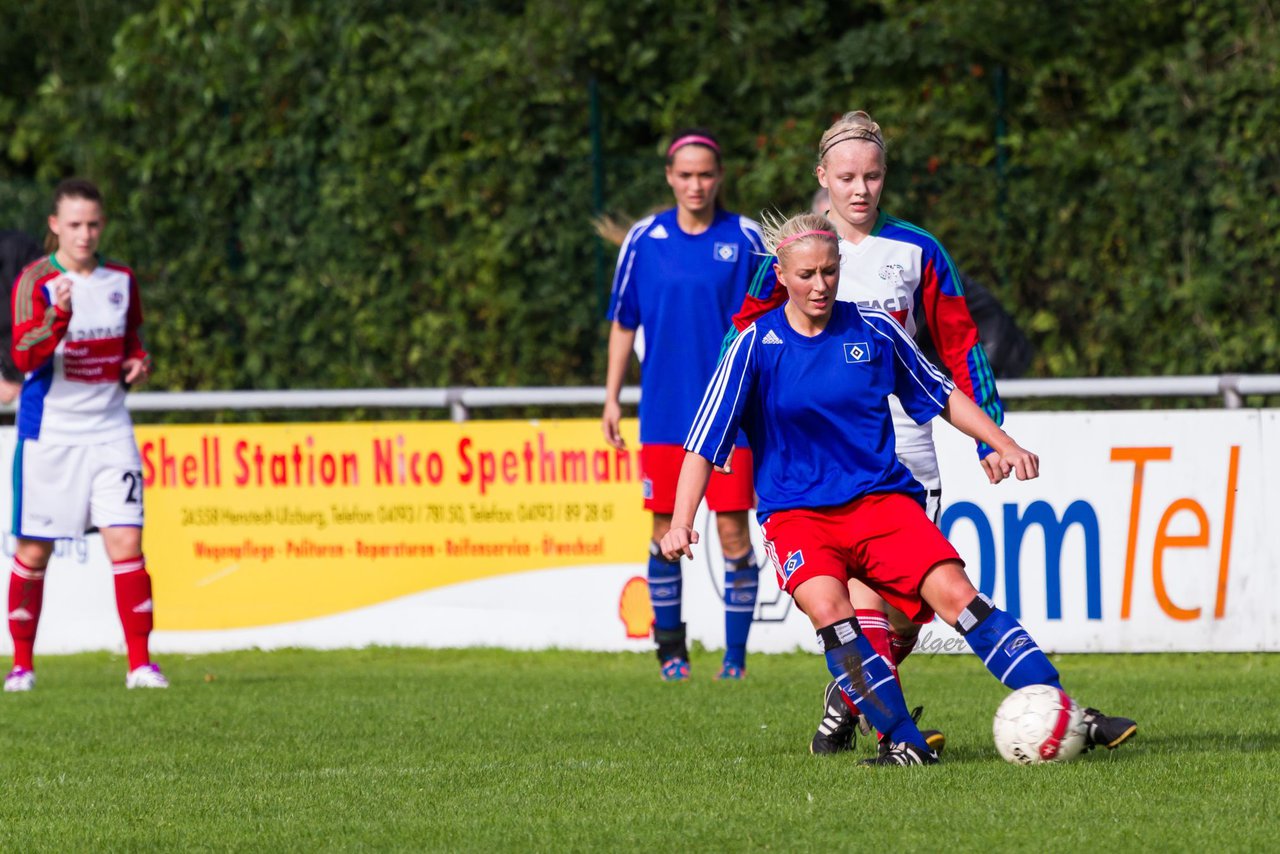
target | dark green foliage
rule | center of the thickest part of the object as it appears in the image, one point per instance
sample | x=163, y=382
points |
x=396, y=193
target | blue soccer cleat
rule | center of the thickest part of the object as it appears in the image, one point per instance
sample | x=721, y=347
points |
x=675, y=670
x=731, y=673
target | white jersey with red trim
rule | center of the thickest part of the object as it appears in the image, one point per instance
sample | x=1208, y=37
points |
x=72, y=394
x=904, y=271
x=875, y=274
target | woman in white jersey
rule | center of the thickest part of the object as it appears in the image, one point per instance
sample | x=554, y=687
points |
x=892, y=265
x=76, y=322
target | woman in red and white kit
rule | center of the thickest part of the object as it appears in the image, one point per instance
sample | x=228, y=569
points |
x=75, y=337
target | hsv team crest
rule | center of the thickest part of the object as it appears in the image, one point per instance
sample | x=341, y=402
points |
x=794, y=561
x=856, y=352
x=726, y=251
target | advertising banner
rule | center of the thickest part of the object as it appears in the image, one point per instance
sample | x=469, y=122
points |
x=1146, y=531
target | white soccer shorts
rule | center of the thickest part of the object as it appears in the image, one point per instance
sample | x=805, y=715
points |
x=61, y=490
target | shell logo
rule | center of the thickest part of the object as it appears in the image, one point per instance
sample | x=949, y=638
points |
x=634, y=608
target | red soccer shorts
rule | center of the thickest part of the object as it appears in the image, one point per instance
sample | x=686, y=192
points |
x=726, y=493
x=883, y=540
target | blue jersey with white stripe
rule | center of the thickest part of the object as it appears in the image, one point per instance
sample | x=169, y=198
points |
x=816, y=410
x=680, y=290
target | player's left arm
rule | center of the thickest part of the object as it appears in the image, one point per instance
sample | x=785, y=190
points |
x=925, y=392
x=955, y=335
x=1011, y=458
x=136, y=366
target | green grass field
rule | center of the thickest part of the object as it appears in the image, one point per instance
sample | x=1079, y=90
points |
x=386, y=749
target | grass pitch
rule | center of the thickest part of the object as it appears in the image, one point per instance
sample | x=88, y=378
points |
x=393, y=749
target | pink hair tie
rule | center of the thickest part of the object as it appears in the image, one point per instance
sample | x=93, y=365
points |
x=811, y=233
x=693, y=139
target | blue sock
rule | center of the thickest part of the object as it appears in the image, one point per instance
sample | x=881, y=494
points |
x=866, y=678
x=741, y=582
x=1004, y=646
x=665, y=586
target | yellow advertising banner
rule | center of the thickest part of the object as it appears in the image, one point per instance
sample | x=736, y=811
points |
x=250, y=525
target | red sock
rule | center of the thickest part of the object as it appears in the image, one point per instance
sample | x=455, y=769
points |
x=875, y=626
x=133, y=601
x=26, y=597
x=900, y=647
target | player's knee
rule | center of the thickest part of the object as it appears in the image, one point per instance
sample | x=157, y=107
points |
x=947, y=590
x=826, y=611
x=735, y=533
x=122, y=541
x=33, y=553
x=901, y=624
x=864, y=598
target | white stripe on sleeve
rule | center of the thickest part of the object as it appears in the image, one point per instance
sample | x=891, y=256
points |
x=714, y=397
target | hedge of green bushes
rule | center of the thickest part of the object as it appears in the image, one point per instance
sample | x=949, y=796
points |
x=338, y=193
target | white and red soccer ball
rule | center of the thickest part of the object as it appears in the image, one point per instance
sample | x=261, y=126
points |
x=1039, y=723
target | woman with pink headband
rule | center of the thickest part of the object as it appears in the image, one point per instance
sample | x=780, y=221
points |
x=809, y=383
x=681, y=274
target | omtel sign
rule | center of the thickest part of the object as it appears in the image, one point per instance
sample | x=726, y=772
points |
x=1082, y=513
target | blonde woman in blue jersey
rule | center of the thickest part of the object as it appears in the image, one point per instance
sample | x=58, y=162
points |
x=809, y=383
x=681, y=274
x=893, y=265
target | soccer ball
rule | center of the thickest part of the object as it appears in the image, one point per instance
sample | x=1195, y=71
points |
x=1039, y=723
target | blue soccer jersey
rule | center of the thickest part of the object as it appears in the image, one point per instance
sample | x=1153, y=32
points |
x=680, y=290
x=816, y=410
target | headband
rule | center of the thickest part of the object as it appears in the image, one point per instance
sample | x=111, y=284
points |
x=693, y=139
x=810, y=233
x=855, y=133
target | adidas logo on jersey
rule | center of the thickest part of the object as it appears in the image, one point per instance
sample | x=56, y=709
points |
x=659, y=232
x=771, y=337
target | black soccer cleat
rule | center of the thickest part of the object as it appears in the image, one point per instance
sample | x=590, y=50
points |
x=904, y=753
x=933, y=737
x=837, y=731
x=1104, y=730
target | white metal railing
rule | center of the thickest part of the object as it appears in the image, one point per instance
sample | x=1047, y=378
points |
x=1232, y=388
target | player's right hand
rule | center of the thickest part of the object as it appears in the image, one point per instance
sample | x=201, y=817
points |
x=62, y=292
x=676, y=542
x=609, y=424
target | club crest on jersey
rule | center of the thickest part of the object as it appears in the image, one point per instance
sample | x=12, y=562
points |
x=726, y=252
x=856, y=352
x=116, y=297
x=795, y=560
x=892, y=273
